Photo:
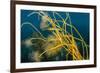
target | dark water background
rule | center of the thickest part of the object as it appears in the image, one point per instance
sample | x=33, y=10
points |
x=79, y=20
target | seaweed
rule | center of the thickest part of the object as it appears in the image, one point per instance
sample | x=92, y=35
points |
x=61, y=43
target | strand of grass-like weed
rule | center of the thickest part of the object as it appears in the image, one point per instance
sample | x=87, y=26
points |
x=72, y=33
x=73, y=48
x=55, y=48
x=57, y=32
x=53, y=25
x=77, y=33
x=83, y=41
x=83, y=50
x=68, y=53
x=63, y=20
x=28, y=23
x=55, y=20
x=73, y=36
x=39, y=39
x=51, y=49
x=67, y=32
x=32, y=13
x=64, y=25
x=60, y=17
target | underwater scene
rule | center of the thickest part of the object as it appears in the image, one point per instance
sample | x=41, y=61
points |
x=54, y=36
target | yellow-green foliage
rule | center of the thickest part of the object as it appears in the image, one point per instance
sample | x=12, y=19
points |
x=59, y=37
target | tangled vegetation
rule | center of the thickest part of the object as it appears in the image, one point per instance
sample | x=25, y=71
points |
x=61, y=38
